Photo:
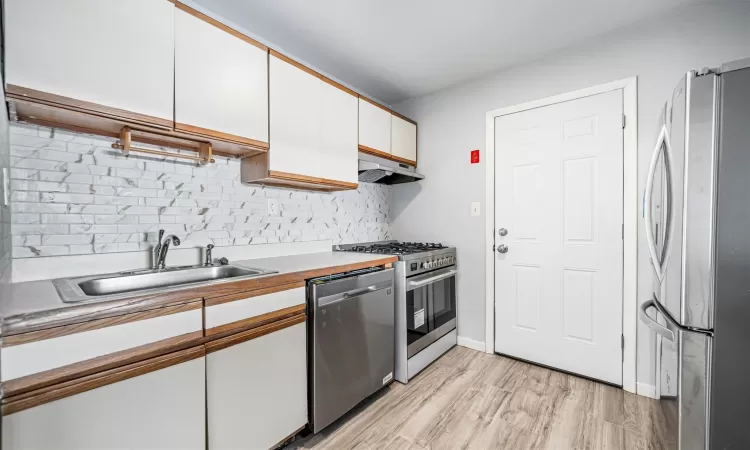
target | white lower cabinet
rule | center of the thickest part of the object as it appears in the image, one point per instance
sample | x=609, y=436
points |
x=161, y=409
x=257, y=390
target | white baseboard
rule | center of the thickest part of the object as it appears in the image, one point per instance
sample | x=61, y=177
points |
x=470, y=343
x=645, y=390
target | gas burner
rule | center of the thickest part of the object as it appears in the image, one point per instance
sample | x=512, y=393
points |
x=396, y=248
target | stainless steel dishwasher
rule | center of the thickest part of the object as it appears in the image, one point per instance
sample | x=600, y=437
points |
x=351, y=341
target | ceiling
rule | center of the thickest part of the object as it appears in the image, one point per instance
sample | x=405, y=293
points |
x=398, y=49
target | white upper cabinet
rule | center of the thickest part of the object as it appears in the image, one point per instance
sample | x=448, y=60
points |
x=374, y=127
x=115, y=53
x=338, y=134
x=221, y=80
x=313, y=125
x=403, y=139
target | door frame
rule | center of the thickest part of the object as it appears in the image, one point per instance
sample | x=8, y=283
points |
x=629, y=88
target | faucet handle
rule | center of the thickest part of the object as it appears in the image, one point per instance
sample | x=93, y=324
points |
x=209, y=261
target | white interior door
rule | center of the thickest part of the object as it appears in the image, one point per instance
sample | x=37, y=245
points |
x=558, y=193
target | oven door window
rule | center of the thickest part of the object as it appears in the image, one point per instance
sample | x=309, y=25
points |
x=417, y=314
x=442, y=302
x=429, y=307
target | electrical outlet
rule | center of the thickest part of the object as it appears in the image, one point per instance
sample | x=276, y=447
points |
x=273, y=207
x=475, y=209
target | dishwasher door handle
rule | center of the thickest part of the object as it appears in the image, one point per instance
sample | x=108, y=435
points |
x=340, y=297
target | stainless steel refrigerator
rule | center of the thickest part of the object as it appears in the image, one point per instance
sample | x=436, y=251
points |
x=697, y=212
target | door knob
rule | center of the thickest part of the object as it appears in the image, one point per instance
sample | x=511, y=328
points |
x=502, y=231
x=502, y=249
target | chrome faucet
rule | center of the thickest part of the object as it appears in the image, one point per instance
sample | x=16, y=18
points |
x=164, y=248
x=209, y=261
x=156, y=250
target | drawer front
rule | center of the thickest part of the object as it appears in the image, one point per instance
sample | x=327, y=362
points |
x=159, y=403
x=44, y=357
x=239, y=311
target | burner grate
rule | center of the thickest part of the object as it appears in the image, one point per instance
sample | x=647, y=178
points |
x=397, y=248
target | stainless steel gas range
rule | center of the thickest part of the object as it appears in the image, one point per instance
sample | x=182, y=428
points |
x=425, y=282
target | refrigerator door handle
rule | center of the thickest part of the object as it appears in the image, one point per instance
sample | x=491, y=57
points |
x=655, y=326
x=659, y=263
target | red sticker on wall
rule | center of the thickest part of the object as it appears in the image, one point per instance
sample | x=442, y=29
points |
x=475, y=156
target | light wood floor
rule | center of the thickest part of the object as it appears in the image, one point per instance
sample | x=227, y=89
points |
x=472, y=400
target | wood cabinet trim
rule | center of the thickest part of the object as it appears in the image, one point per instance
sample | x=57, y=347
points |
x=57, y=115
x=401, y=116
x=312, y=180
x=253, y=322
x=374, y=103
x=275, y=182
x=49, y=333
x=22, y=93
x=374, y=152
x=312, y=72
x=217, y=24
x=72, y=387
x=99, y=364
x=403, y=160
x=255, y=293
x=192, y=129
x=244, y=336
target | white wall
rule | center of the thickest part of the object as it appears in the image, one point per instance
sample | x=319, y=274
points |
x=452, y=122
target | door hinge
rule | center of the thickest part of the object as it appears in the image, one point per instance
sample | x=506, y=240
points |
x=624, y=121
x=622, y=231
x=622, y=341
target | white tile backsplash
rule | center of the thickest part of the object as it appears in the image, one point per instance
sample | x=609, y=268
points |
x=74, y=194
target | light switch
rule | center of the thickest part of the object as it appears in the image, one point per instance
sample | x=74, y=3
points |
x=475, y=208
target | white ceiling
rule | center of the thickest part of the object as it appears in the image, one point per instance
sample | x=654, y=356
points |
x=398, y=49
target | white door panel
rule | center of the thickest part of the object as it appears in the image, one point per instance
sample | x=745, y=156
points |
x=559, y=175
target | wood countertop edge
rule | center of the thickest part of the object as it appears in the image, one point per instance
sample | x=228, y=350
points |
x=72, y=387
x=91, y=311
x=240, y=326
x=18, y=387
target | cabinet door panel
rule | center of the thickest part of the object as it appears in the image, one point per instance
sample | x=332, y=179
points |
x=374, y=127
x=160, y=409
x=338, y=134
x=403, y=139
x=257, y=390
x=221, y=81
x=109, y=52
x=294, y=97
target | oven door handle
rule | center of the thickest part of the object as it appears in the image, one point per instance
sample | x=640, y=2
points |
x=417, y=284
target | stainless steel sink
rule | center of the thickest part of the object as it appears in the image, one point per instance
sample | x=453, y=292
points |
x=123, y=284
